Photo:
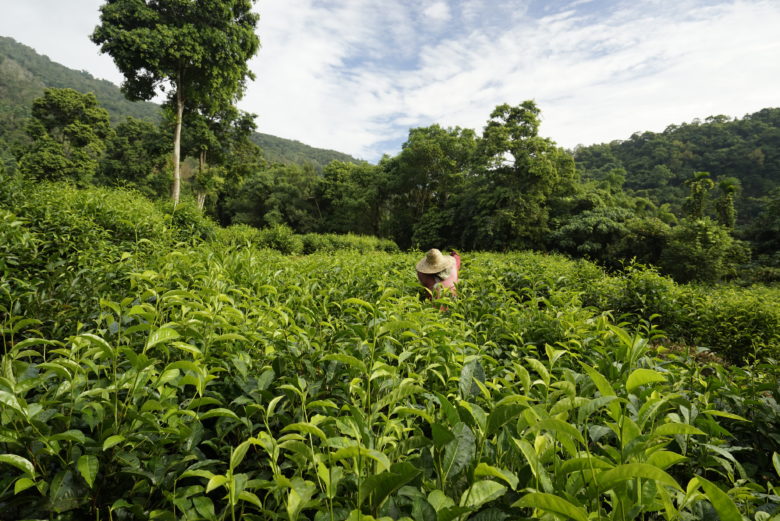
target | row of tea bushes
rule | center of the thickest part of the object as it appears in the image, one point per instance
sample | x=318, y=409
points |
x=736, y=323
x=282, y=238
x=225, y=383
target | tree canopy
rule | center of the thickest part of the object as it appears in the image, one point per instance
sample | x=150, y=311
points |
x=196, y=52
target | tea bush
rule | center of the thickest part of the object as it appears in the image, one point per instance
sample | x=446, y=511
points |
x=149, y=378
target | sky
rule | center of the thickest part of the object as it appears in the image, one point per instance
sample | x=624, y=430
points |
x=356, y=75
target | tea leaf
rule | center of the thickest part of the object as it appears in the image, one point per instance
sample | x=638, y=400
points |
x=609, y=478
x=19, y=462
x=480, y=493
x=88, y=468
x=160, y=335
x=669, y=429
x=724, y=505
x=551, y=503
x=643, y=376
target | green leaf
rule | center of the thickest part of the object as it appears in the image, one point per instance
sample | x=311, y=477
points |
x=22, y=484
x=559, y=426
x=439, y=500
x=359, y=302
x=204, y=506
x=500, y=415
x=723, y=414
x=776, y=462
x=470, y=372
x=355, y=451
x=609, y=478
x=11, y=401
x=459, y=452
x=441, y=435
x=113, y=440
x=377, y=487
x=664, y=459
x=484, y=470
x=219, y=411
x=19, y=462
x=307, y=428
x=71, y=435
x=643, y=377
x=723, y=504
x=238, y=454
x=480, y=493
x=249, y=497
x=216, y=482
x=346, y=360
x=672, y=428
x=88, y=468
x=160, y=335
x=551, y=503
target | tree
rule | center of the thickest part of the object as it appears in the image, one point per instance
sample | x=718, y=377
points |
x=197, y=52
x=282, y=194
x=431, y=168
x=68, y=131
x=351, y=197
x=522, y=170
x=136, y=155
x=724, y=206
x=213, y=138
x=703, y=250
x=700, y=185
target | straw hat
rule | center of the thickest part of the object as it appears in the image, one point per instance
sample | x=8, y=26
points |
x=435, y=262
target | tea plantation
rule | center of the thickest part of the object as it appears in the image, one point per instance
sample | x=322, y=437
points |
x=157, y=367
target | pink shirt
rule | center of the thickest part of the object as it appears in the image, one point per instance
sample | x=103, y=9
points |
x=430, y=281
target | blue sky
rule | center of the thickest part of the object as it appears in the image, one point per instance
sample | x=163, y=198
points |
x=355, y=75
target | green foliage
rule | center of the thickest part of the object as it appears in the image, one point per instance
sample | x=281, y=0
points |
x=278, y=195
x=658, y=164
x=702, y=250
x=68, y=132
x=198, y=50
x=218, y=380
x=136, y=157
x=240, y=383
x=288, y=151
x=25, y=74
x=189, y=222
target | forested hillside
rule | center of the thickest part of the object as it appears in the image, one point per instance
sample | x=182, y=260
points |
x=744, y=151
x=24, y=74
x=288, y=151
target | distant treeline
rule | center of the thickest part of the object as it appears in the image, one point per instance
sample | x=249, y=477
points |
x=700, y=200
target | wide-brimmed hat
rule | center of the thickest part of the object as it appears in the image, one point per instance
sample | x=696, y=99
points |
x=434, y=262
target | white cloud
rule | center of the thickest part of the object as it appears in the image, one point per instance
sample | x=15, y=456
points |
x=438, y=12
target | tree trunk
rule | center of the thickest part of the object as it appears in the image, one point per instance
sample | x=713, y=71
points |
x=176, y=190
x=200, y=197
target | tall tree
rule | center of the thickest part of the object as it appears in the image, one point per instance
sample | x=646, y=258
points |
x=214, y=138
x=138, y=156
x=196, y=52
x=522, y=170
x=700, y=184
x=68, y=130
x=724, y=206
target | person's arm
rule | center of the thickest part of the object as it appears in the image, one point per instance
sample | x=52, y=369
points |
x=457, y=259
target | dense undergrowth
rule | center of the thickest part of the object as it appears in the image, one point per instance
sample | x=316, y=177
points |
x=157, y=367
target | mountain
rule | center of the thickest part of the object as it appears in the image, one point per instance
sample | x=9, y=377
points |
x=657, y=164
x=24, y=74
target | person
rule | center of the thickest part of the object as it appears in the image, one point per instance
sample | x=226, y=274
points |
x=438, y=272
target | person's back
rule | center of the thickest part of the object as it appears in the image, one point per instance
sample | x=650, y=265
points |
x=438, y=272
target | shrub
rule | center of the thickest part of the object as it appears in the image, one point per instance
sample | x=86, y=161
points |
x=281, y=238
x=702, y=250
x=238, y=235
x=188, y=221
